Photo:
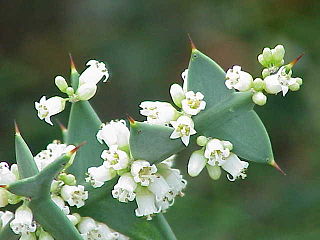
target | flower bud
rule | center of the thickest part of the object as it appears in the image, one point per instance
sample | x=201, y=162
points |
x=262, y=61
x=86, y=91
x=259, y=98
x=70, y=91
x=214, y=171
x=258, y=84
x=278, y=53
x=177, y=94
x=294, y=87
x=3, y=197
x=196, y=163
x=45, y=236
x=227, y=144
x=265, y=72
x=299, y=81
x=61, y=83
x=267, y=55
x=68, y=179
x=202, y=141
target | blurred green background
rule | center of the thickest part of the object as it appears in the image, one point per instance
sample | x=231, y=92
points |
x=146, y=47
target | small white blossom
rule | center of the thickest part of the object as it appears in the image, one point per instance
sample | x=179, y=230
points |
x=184, y=76
x=183, y=128
x=5, y=217
x=177, y=94
x=114, y=133
x=54, y=151
x=259, y=98
x=193, y=103
x=124, y=189
x=164, y=204
x=97, y=176
x=92, y=230
x=115, y=158
x=49, y=107
x=23, y=221
x=160, y=113
x=86, y=91
x=94, y=73
x=146, y=203
x=60, y=203
x=61, y=83
x=6, y=175
x=235, y=167
x=143, y=172
x=216, y=152
x=281, y=81
x=196, y=163
x=74, y=195
x=237, y=79
x=173, y=178
x=160, y=188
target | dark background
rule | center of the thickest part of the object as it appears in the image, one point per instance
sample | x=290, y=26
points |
x=146, y=47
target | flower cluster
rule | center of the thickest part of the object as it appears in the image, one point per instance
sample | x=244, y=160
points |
x=163, y=113
x=85, y=90
x=276, y=77
x=216, y=154
x=154, y=187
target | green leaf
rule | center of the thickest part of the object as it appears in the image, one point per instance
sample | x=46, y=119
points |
x=83, y=126
x=26, y=165
x=152, y=142
x=45, y=211
x=102, y=207
x=228, y=116
x=7, y=234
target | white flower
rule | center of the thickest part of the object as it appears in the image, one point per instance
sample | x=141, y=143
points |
x=49, y=107
x=54, y=151
x=237, y=79
x=173, y=178
x=23, y=221
x=97, y=176
x=184, y=76
x=94, y=73
x=216, y=152
x=196, y=163
x=92, y=230
x=160, y=113
x=143, y=172
x=74, y=195
x=177, y=94
x=160, y=188
x=124, y=189
x=5, y=217
x=235, y=167
x=281, y=81
x=146, y=203
x=86, y=91
x=6, y=175
x=60, y=203
x=164, y=204
x=259, y=98
x=193, y=103
x=115, y=158
x=114, y=133
x=184, y=128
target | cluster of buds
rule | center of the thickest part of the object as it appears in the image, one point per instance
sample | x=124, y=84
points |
x=164, y=113
x=154, y=187
x=276, y=77
x=214, y=155
x=85, y=90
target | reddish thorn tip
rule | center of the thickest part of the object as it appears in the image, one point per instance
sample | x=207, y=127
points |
x=296, y=60
x=3, y=186
x=276, y=166
x=16, y=128
x=77, y=147
x=62, y=127
x=193, y=47
x=73, y=66
x=131, y=120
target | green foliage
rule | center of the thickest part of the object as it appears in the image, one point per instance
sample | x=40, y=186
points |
x=228, y=115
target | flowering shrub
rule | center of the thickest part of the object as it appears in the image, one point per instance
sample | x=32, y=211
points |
x=118, y=184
